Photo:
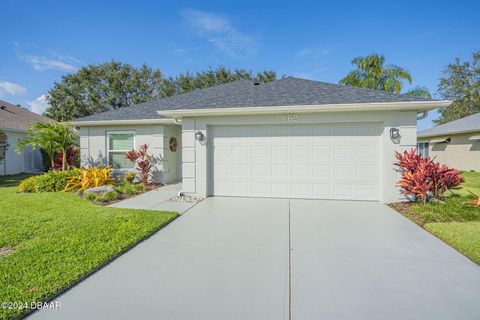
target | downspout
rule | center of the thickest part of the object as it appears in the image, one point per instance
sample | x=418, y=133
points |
x=422, y=115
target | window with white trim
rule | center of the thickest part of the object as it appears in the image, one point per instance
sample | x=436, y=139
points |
x=422, y=149
x=119, y=142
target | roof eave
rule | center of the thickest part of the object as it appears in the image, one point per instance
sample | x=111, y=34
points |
x=94, y=123
x=447, y=133
x=374, y=106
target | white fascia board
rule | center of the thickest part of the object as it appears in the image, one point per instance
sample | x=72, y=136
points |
x=377, y=106
x=121, y=122
x=446, y=133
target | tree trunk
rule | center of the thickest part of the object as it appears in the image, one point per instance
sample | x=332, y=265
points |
x=64, y=159
x=52, y=161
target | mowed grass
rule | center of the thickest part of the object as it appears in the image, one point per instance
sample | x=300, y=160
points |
x=463, y=236
x=49, y=241
x=454, y=220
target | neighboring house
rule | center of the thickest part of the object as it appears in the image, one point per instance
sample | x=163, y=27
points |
x=455, y=143
x=14, y=121
x=291, y=138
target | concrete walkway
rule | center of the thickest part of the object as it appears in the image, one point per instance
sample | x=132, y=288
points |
x=157, y=200
x=239, y=258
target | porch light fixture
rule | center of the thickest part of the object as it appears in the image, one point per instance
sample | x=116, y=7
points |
x=199, y=136
x=395, y=135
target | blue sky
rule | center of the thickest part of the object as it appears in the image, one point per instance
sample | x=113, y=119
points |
x=42, y=40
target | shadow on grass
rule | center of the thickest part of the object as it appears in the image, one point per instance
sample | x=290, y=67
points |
x=14, y=180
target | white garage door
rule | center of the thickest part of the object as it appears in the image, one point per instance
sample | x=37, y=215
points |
x=296, y=161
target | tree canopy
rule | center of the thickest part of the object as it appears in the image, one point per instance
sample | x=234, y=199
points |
x=112, y=85
x=460, y=82
x=371, y=72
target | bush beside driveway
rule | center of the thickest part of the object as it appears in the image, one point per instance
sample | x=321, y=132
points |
x=49, y=241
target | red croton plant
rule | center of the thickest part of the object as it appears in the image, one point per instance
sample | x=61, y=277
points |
x=425, y=178
x=73, y=154
x=143, y=162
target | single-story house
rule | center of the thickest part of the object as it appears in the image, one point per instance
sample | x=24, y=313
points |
x=14, y=121
x=455, y=143
x=292, y=138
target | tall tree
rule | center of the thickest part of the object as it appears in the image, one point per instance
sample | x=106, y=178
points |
x=102, y=87
x=187, y=82
x=460, y=82
x=113, y=85
x=371, y=72
x=421, y=92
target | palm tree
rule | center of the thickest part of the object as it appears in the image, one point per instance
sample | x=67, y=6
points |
x=52, y=138
x=372, y=73
x=421, y=92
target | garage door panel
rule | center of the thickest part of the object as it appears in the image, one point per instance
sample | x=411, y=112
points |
x=302, y=161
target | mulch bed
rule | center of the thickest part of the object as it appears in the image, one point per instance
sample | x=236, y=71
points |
x=406, y=209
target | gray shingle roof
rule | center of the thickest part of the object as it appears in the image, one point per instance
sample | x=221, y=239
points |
x=470, y=123
x=287, y=91
x=17, y=118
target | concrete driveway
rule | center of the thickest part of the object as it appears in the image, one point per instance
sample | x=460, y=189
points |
x=239, y=258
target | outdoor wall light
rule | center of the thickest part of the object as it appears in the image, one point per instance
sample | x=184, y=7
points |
x=395, y=135
x=199, y=136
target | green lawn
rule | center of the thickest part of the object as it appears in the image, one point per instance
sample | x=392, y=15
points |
x=453, y=220
x=49, y=241
x=463, y=236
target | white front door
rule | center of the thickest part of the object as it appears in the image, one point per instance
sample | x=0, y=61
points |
x=324, y=161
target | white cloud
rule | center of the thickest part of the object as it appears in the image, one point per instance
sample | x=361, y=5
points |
x=12, y=89
x=219, y=31
x=312, y=52
x=39, y=105
x=45, y=59
x=41, y=63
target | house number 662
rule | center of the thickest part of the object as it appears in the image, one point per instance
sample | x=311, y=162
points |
x=289, y=118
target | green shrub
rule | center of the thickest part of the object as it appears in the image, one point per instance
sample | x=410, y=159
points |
x=28, y=185
x=129, y=177
x=91, y=196
x=139, y=187
x=129, y=189
x=54, y=181
x=108, y=196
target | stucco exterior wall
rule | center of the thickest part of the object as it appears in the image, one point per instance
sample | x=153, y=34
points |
x=93, y=147
x=196, y=160
x=27, y=161
x=172, y=159
x=460, y=153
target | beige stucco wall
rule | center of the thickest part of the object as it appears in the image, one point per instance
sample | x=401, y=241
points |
x=93, y=147
x=26, y=161
x=195, y=157
x=459, y=153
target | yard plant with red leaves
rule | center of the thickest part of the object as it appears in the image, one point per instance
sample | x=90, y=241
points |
x=425, y=178
x=143, y=162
